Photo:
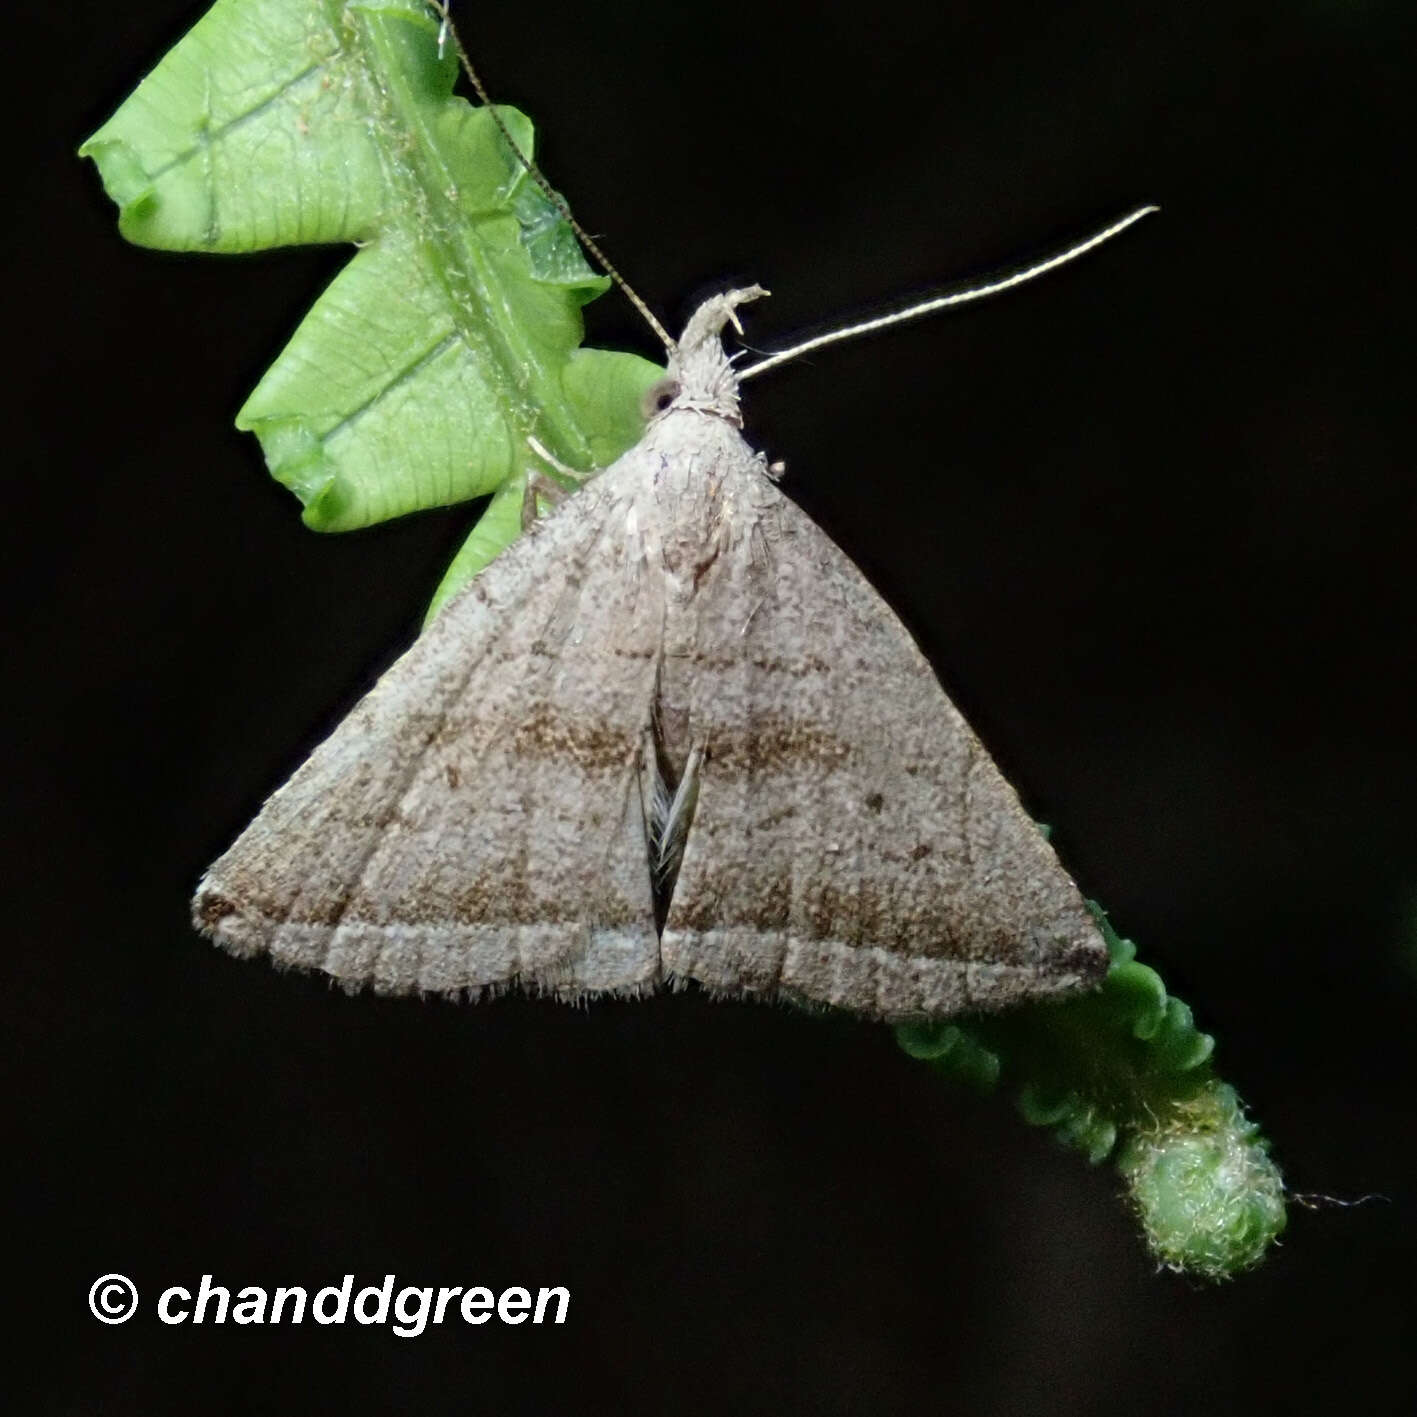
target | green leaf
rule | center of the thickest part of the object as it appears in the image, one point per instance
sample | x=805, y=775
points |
x=499, y=525
x=453, y=334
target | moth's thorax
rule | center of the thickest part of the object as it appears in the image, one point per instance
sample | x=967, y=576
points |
x=696, y=494
x=695, y=470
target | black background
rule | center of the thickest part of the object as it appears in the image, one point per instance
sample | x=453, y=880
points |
x=1153, y=520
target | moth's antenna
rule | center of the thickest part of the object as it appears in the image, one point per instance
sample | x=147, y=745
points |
x=447, y=31
x=942, y=302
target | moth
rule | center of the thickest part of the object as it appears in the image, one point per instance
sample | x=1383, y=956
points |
x=670, y=735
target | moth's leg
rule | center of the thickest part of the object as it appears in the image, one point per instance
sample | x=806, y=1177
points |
x=674, y=831
x=668, y=814
x=656, y=799
x=573, y=474
x=538, y=485
x=654, y=795
x=774, y=470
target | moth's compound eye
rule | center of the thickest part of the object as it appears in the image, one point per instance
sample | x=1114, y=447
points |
x=659, y=396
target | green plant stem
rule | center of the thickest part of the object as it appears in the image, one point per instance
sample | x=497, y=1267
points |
x=1124, y=1073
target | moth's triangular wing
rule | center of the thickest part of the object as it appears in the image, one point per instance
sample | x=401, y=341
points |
x=476, y=820
x=853, y=843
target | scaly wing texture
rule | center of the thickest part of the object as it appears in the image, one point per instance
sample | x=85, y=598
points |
x=476, y=820
x=853, y=842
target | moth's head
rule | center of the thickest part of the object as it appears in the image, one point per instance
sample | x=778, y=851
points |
x=700, y=375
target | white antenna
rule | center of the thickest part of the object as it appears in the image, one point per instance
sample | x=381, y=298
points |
x=942, y=302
